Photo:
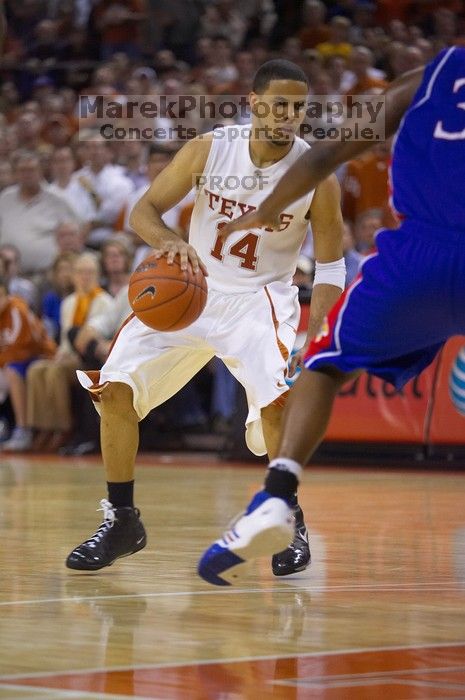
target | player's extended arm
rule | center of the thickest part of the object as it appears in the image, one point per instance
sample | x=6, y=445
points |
x=328, y=231
x=171, y=185
x=323, y=158
x=329, y=282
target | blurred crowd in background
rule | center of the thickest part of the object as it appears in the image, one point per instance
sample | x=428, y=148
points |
x=66, y=247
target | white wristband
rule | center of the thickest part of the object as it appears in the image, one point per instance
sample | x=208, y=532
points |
x=331, y=273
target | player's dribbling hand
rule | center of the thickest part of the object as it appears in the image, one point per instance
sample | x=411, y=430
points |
x=187, y=254
x=261, y=217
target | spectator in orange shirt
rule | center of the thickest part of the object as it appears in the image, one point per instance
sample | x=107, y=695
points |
x=119, y=24
x=361, y=64
x=23, y=340
x=314, y=31
x=366, y=182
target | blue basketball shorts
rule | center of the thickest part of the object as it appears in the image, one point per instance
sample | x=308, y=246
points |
x=408, y=299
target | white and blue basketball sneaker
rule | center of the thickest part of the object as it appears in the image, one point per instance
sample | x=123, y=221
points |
x=266, y=527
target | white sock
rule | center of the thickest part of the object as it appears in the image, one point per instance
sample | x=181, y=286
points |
x=287, y=465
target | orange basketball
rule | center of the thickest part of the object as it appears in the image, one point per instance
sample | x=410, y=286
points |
x=164, y=297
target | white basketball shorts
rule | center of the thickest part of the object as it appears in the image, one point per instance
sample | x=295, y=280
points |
x=252, y=333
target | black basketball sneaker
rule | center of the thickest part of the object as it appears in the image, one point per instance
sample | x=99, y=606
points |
x=120, y=534
x=297, y=556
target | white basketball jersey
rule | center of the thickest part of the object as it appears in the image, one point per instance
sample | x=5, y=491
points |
x=230, y=186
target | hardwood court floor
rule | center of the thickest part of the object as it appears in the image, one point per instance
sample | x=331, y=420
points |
x=380, y=614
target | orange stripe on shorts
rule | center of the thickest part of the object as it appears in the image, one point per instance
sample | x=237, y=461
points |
x=282, y=348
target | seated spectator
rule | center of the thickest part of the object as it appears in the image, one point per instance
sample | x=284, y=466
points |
x=365, y=228
x=17, y=286
x=9, y=101
x=118, y=24
x=63, y=183
x=56, y=130
x=92, y=343
x=49, y=381
x=314, y=31
x=338, y=43
x=28, y=128
x=223, y=69
x=61, y=284
x=108, y=188
x=45, y=43
x=134, y=154
x=222, y=20
x=30, y=213
x=93, y=340
x=366, y=77
x=23, y=339
x=242, y=84
x=341, y=78
x=116, y=265
x=69, y=237
x=352, y=257
x=366, y=182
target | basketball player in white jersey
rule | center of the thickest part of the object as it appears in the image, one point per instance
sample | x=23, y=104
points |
x=252, y=310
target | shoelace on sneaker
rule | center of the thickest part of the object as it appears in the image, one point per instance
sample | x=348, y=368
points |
x=300, y=534
x=109, y=517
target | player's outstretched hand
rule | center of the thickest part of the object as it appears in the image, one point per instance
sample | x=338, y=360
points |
x=261, y=217
x=297, y=360
x=295, y=363
x=187, y=254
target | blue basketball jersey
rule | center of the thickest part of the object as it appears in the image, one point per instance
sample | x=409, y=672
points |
x=428, y=164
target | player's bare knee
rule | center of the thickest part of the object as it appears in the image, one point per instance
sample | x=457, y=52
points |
x=118, y=398
x=272, y=413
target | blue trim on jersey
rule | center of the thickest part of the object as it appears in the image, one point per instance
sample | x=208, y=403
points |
x=407, y=303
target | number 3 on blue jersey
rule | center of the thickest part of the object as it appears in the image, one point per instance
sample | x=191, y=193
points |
x=440, y=132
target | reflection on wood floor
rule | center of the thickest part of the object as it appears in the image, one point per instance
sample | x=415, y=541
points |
x=379, y=614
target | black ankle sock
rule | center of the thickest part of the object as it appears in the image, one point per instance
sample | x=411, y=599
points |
x=121, y=493
x=282, y=484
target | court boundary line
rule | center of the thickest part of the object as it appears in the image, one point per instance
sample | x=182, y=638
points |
x=231, y=660
x=61, y=692
x=431, y=586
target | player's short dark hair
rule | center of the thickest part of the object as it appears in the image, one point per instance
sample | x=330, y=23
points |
x=277, y=69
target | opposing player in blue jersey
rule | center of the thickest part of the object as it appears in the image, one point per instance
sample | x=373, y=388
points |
x=408, y=300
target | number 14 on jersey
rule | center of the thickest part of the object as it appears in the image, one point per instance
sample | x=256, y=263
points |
x=245, y=249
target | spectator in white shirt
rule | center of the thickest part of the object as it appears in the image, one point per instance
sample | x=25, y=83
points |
x=30, y=213
x=108, y=187
x=64, y=184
